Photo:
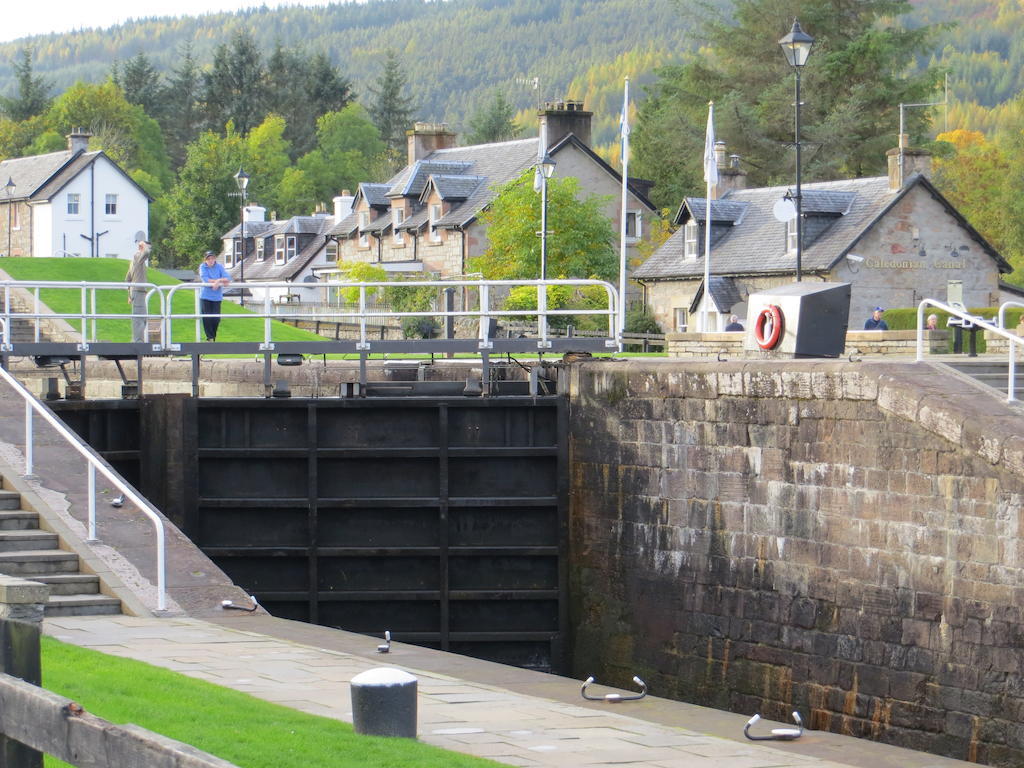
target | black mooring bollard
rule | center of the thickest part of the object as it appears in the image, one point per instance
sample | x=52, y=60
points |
x=384, y=703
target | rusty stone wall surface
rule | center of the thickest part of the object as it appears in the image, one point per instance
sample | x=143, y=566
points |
x=839, y=538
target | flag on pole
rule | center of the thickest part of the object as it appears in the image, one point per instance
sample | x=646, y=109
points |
x=624, y=212
x=710, y=162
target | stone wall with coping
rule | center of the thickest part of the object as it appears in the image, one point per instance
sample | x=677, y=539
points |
x=839, y=538
x=714, y=345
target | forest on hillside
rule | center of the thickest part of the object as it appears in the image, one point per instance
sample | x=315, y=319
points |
x=315, y=100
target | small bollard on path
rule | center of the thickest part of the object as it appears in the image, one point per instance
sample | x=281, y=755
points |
x=384, y=703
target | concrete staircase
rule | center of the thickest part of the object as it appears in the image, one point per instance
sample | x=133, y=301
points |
x=32, y=553
x=992, y=373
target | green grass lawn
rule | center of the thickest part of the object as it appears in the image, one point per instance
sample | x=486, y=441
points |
x=115, y=301
x=231, y=725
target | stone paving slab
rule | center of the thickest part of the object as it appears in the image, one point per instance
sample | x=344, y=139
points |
x=476, y=718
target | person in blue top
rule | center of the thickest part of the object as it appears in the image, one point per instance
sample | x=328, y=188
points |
x=215, y=279
x=875, y=322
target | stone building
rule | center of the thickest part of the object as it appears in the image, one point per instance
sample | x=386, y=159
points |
x=70, y=203
x=425, y=218
x=895, y=244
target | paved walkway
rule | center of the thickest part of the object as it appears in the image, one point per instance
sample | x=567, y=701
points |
x=514, y=716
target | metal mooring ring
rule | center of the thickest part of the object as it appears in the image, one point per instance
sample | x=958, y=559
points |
x=777, y=734
x=614, y=697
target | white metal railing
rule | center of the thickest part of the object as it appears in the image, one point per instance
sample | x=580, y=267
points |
x=1002, y=311
x=87, y=315
x=95, y=464
x=482, y=310
x=963, y=314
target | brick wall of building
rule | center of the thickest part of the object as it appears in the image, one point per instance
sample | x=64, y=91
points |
x=841, y=539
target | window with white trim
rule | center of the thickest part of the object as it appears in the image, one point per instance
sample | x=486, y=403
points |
x=229, y=258
x=633, y=225
x=364, y=223
x=682, y=318
x=791, y=235
x=261, y=249
x=279, y=249
x=397, y=217
x=236, y=248
x=435, y=216
x=74, y=201
x=15, y=216
x=691, y=240
x=110, y=206
x=331, y=254
x=291, y=248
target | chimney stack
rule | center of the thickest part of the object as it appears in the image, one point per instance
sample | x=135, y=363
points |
x=912, y=160
x=342, y=205
x=731, y=178
x=425, y=138
x=78, y=140
x=560, y=118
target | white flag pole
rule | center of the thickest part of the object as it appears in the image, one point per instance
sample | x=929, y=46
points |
x=624, y=131
x=711, y=179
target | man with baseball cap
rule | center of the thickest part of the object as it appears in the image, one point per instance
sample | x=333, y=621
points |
x=214, y=278
x=875, y=322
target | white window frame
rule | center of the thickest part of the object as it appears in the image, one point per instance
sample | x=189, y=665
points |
x=236, y=248
x=229, y=256
x=636, y=216
x=364, y=224
x=681, y=319
x=279, y=249
x=74, y=201
x=110, y=204
x=691, y=239
x=791, y=235
x=291, y=247
x=261, y=249
x=331, y=251
x=15, y=216
x=397, y=217
x=436, y=211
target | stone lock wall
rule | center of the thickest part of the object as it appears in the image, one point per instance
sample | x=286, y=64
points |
x=838, y=538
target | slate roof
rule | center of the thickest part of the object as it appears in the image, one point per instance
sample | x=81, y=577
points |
x=40, y=177
x=410, y=181
x=756, y=242
x=268, y=270
x=346, y=226
x=725, y=293
x=252, y=229
x=454, y=187
x=376, y=195
x=721, y=210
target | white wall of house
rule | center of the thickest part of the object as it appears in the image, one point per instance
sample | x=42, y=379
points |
x=113, y=230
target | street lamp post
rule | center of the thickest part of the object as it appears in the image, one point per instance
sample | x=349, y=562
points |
x=9, y=189
x=242, y=180
x=797, y=47
x=547, y=167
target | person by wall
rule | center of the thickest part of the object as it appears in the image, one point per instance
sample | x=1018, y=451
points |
x=137, y=296
x=875, y=322
x=734, y=325
x=215, y=279
x=932, y=323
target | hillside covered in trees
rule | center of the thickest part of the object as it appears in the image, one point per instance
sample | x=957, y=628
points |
x=314, y=100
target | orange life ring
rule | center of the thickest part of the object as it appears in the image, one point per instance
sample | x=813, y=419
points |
x=770, y=314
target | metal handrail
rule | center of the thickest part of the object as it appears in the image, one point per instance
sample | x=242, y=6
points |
x=963, y=314
x=1002, y=311
x=87, y=316
x=483, y=310
x=95, y=463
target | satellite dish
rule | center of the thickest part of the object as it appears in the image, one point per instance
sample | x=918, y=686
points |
x=784, y=210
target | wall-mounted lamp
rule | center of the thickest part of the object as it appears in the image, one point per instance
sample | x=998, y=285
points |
x=853, y=261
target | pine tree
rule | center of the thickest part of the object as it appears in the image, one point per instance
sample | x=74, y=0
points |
x=495, y=122
x=391, y=109
x=182, y=117
x=140, y=83
x=234, y=87
x=33, y=91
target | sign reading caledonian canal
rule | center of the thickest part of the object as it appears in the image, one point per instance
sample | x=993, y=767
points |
x=908, y=264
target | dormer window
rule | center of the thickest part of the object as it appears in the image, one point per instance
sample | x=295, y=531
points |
x=691, y=240
x=435, y=216
x=331, y=253
x=364, y=223
x=633, y=221
x=397, y=217
x=229, y=257
x=791, y=230
x=279, y=249
x=261, y=249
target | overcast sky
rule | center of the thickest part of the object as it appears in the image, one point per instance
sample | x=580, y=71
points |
x=22, y=18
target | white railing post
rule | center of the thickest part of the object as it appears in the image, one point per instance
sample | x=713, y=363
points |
x=485, y=320
x=92, y=502
x=29, y=439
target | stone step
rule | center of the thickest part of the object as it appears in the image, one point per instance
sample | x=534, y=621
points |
x=22, y=540
x=82, y=605
x=70, y=583
x=18, y=520
x=29, y=563
x=10, y=499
